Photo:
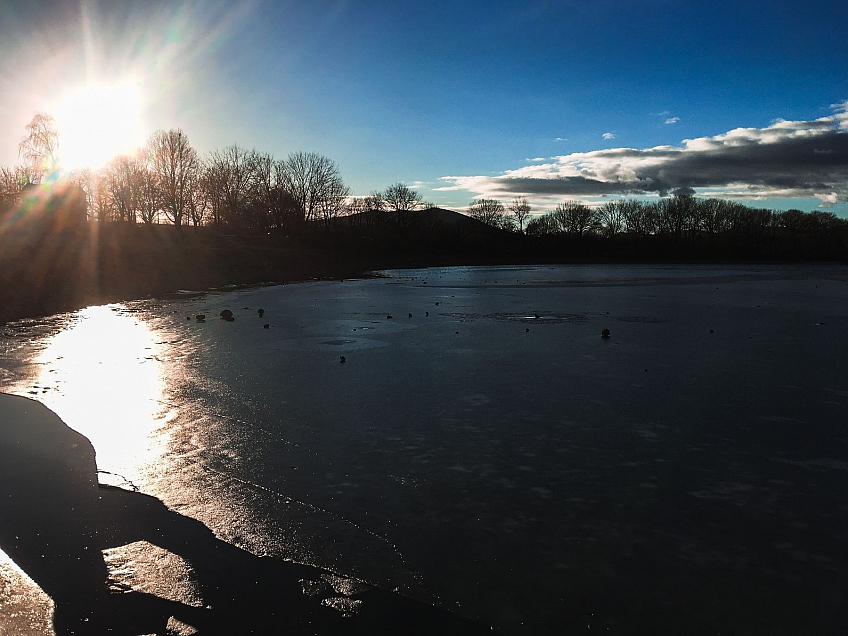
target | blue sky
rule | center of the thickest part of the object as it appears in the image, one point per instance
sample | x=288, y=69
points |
x=468, y=99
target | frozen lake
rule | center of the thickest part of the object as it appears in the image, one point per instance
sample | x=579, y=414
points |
x=686, y=475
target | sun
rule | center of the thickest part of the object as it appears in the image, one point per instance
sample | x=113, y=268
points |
x=97, y=122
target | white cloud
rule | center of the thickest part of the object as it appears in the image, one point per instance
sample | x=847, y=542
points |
x=672, y=120
x=841, y=114
x=560, y=139
x=608, y=135
x=784, y=159
x=828, y=200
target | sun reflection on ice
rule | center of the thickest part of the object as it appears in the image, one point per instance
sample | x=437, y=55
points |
x=105, y=374
x=24, y=607
x=104, y=378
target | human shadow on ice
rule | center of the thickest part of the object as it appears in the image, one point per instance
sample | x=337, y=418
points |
x=55, y=520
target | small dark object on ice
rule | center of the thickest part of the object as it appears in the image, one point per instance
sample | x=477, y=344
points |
x=712, y=330
x=527, y=329
x=536, y=316
x=226, y=314
x=605, y=333
x=388, y=317
x=457, y=332
x=188, y=317
x=342, y=359
x=425, y=282
x=261, y=313
x=410, y=314
x=426, y=313
x=266, y=326
x=437, y=304
x=201, y=316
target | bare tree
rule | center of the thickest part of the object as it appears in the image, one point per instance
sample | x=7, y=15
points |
x=211, y=183
x=147, y=192
x=198, y=205
x=273, y=206
x=332, y=201
x=175, y=165
x=543, y=225
x=355, y=205
x=40, y=145
x=488, y=211
x=235, y=170
x=315, y=184
x=8, y=183
x=264, y=189
x=634, y=215
x=85, y=180
x=520, y=211
x=575, y=218
x=791, y=221
x=375, y=208
x=376, y=201
x=285, y=209
x=400, y=197
x=100, y=202
x=675, y=214
x=356, y=211
x=122, y=177
x=12, y=181
x=611, y=218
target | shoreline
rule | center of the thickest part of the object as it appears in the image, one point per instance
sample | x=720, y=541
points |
x=15, y=308
x=41, y=275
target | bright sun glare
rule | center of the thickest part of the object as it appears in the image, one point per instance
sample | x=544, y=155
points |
x=97, y=122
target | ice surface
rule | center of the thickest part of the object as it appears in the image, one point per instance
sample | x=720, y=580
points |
x=689, y=468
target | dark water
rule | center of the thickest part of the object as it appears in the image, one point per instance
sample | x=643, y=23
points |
x=686, y=475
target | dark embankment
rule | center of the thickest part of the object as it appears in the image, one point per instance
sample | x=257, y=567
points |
x=44, y=271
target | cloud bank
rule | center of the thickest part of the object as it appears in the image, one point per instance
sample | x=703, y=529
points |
x=786, y=159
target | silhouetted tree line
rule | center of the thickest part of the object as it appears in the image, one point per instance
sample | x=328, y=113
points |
x=684, y=224
x=166, y=181
x=232, y=188
x=236, y=189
